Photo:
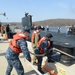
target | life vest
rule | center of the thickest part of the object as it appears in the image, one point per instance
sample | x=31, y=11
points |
x=33, y=36
x=2, y=27
x=13, y=44
x=39, y=43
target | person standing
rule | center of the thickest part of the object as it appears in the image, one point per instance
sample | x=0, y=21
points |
x=2, y=30
x=17, y=45
x=8, y=31
x=35, y=37
x=43, y=46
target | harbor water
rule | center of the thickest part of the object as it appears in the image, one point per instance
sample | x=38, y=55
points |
x=63, y=29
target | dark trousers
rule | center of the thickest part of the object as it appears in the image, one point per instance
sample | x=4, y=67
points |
x=40, y=59
x=8, y=34
x=39, y=62
x=16, y=64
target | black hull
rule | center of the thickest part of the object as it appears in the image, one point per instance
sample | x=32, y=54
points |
x=65, y=43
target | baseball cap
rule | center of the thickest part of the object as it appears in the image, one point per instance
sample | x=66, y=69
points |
x=49, y=35
x=38, y=27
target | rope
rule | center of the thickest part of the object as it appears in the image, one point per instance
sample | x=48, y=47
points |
x=37, y=54
x=53, y=54
x=52, y=72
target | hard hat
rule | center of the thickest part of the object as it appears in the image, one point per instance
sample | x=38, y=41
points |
x=26, y=29
x=49, y=35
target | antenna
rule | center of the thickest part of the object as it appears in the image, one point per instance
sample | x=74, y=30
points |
x=4, y=14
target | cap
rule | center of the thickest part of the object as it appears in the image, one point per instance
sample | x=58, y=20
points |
x=26, y=29
x=49, y=35
x=38, y=27
x=42, y=27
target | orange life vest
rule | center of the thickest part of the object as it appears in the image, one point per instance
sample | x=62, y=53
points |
x=39, y=43
x=2, y=27
x=13, y=44
x=33, y=36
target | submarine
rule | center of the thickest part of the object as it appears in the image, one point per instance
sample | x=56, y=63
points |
x=63, y=45
x=61, y=41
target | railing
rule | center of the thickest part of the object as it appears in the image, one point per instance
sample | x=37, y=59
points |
x=64, y=53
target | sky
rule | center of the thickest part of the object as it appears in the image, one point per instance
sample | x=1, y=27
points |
x=39, y=9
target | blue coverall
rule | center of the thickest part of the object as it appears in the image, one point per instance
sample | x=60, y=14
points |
x=13, y=58
x=44, y=46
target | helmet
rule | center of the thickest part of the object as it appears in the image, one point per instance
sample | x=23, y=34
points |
x=49, y=35
x=26, y=29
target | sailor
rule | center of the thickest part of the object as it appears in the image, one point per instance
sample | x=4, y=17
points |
x=18, y=45
x=47, y=28
x=8, y=31
x=59, y=28
x=35, y=37
x=2, y=30
x=44, y=46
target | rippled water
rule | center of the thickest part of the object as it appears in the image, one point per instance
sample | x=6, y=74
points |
x=63, y=29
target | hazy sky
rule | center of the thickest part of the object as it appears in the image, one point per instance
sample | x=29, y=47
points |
x=39, y=9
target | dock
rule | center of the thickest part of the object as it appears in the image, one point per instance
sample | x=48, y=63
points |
x=3, y=62
x=56, y=68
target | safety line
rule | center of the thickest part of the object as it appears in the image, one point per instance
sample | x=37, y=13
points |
x=48, y=70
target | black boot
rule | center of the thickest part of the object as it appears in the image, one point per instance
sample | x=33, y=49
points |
x=50, y=60
x=41, y=71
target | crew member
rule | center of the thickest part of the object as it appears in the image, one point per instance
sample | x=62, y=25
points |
x=35, y=37
x=17, y=46
x=8, y=31
x=43, y=46
x=2, y=30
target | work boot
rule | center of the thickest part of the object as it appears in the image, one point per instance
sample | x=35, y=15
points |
x=50, y=60
x=41, y=71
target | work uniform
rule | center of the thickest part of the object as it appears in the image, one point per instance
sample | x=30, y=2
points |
x=8, y=31
x=17, y=46
x=2, y=30
x=43, y=46
x=34, y=39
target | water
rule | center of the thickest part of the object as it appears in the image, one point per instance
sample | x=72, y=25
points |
x=63, y=29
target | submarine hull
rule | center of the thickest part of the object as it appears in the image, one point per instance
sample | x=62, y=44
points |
x=65, y=43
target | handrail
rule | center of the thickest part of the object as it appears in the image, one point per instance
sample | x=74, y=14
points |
x=64, y=53
x=54, y=54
